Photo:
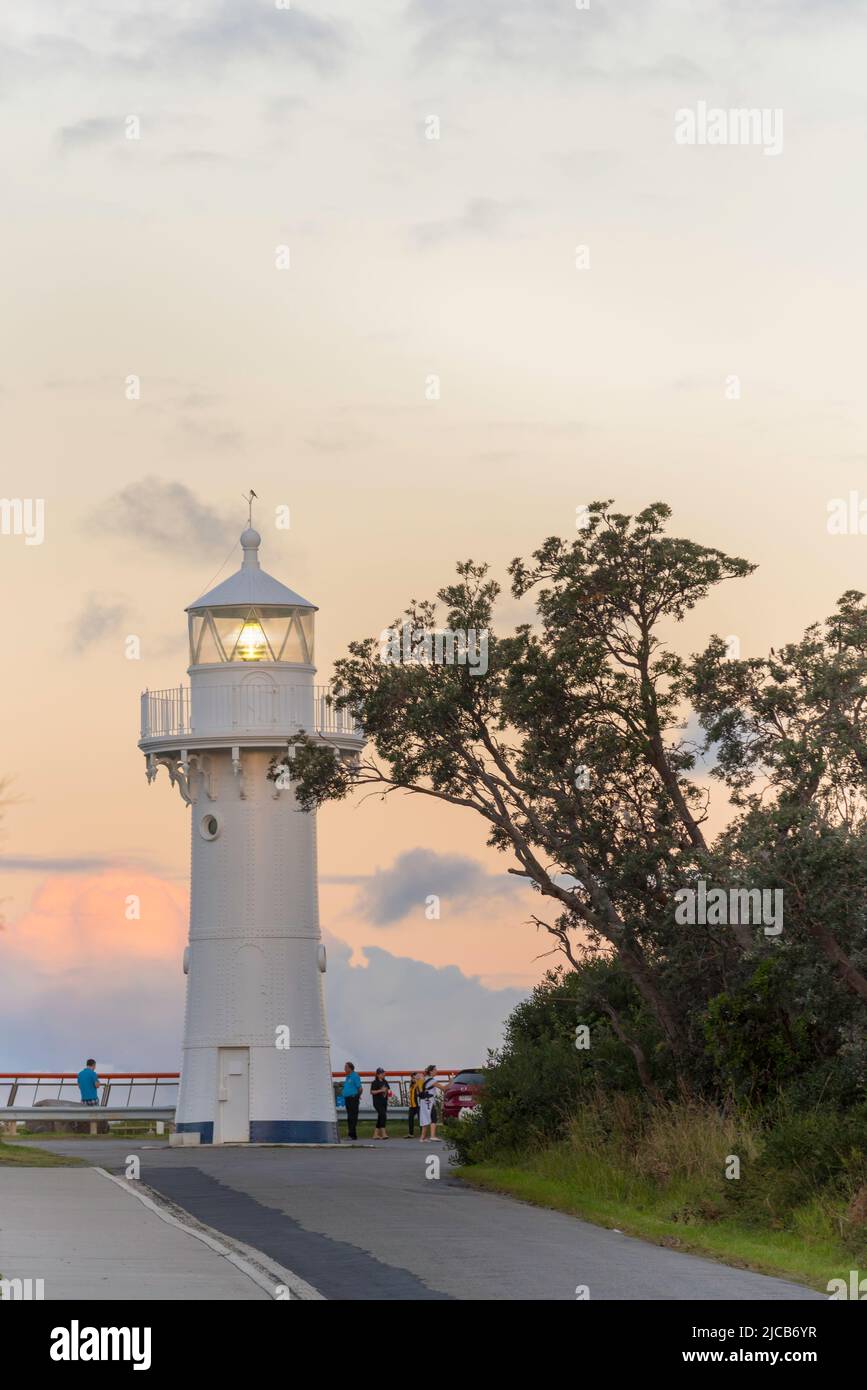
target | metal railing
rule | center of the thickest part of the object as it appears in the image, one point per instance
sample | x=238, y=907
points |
x=245, y=708
x=22, y=1088
x=165, y=712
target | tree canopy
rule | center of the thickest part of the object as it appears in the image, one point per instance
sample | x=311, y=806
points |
x=570, y=747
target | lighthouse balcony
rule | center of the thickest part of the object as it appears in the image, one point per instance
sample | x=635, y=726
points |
x=253, y=713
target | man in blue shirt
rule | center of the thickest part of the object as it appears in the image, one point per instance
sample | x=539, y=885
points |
x=351, y=1093
x=88, y=1082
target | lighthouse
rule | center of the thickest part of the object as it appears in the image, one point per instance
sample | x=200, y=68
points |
x=256, y=1065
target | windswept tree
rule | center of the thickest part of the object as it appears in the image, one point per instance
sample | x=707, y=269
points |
x=568, y=747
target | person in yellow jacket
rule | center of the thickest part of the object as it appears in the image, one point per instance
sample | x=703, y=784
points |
x=414, y=1095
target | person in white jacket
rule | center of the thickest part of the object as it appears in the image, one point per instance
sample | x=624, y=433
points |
x=427, y=1104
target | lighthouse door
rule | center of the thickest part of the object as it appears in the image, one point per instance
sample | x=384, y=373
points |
x=234, y=1096
x=258, y=701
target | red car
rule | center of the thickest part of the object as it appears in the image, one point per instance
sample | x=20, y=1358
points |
x=463, y=1092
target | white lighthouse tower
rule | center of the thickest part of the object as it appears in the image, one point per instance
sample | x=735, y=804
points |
x=256, y=1065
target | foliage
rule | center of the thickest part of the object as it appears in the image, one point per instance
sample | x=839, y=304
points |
x=814, y=1154
x=571, y=752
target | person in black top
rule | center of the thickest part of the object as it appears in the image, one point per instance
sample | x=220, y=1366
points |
x=380, y=1090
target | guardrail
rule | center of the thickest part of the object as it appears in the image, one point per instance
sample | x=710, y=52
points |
x=59, y=1081
x=78, y=1114
x=16, y=1084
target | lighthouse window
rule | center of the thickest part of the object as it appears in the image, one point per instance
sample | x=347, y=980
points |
x=210, y=827
x=249, y=634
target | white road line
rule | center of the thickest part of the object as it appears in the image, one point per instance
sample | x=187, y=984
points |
x=279, y=1275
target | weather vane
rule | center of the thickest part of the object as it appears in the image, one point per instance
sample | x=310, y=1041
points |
x=249, y=501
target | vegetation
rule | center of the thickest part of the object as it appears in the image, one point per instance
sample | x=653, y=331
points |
x=23, y=1156
x=573, y=750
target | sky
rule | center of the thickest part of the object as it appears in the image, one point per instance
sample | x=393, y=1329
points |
x=234, y=257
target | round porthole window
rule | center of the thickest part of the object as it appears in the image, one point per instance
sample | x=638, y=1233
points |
x=210, y=826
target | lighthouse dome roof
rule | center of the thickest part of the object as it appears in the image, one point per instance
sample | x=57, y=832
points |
x=251, y=585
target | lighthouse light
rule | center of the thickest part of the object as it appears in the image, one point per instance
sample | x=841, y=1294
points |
x=251, y=643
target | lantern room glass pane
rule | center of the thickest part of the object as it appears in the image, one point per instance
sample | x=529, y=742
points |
x=197, y=623
x=247, y=635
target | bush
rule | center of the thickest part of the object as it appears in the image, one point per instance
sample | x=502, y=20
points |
x=756, y=1041
x=817, y=1155
x=537, y=1081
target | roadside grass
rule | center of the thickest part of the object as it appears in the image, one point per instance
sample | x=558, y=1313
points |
x=116, y=1132
x=665, y=1184
x=22, y=1156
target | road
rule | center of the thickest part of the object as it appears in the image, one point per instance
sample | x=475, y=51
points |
x=365, y=1222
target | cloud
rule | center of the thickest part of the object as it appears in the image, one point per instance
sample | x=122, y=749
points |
x=238, y=29
x=94, y=130
x=482, y=217
x=198, y=158
x=210, y=436
x=507, y=31
x=167, y=517
x=594, y=43
x=77, y=980
x=389, y=895
x=199, y=39
x=399, y=1012
x=72, y=864
x=691, y=736
x=99, y=618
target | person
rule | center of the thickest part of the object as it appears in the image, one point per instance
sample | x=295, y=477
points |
x=414, y=1094
x=351, y=1094
x=88, y=1083
x=380, y=1091
x=427, y=1112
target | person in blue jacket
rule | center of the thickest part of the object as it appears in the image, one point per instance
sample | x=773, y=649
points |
x=351, y=1094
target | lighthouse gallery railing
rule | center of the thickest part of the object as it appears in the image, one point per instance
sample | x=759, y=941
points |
x=168, y=713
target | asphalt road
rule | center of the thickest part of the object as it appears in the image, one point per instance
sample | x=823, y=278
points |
x=365, y=1222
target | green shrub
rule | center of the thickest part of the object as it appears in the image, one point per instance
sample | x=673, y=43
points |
x=755, y=1039
x=819, y=1153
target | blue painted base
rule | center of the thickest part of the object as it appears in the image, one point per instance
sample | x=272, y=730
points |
x=272, y=1131
x=205, y=1129
x=293, y=1131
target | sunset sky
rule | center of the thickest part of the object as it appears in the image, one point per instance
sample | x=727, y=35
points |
x=157, y=257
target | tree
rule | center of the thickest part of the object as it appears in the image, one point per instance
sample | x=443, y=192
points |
x=567, y=747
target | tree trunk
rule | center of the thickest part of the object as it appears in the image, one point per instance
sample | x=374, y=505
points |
x=637, y=1051
x=831, y=947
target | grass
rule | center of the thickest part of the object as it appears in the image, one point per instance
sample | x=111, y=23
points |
x=119, y=1131
x=663, y=1183
x=22, y=1156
